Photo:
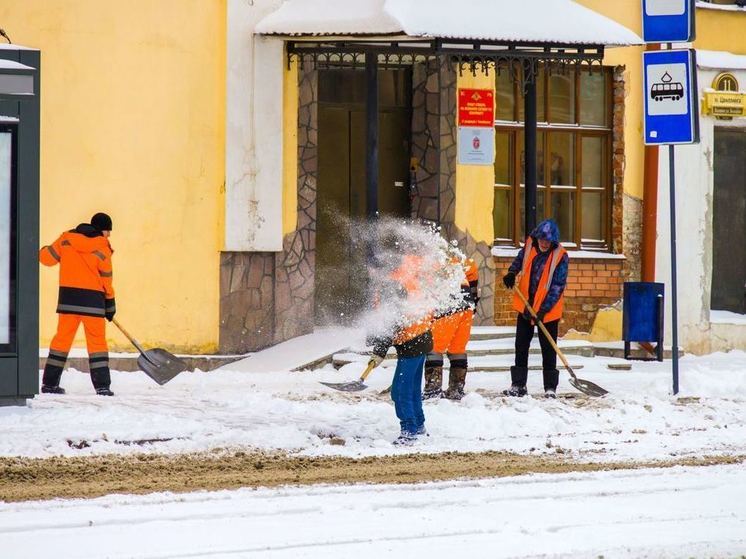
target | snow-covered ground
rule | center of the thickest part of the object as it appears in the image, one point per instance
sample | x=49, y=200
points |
x=678, y=512
x=291, y=411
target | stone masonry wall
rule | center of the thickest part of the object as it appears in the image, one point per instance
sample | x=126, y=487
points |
x=267, y=298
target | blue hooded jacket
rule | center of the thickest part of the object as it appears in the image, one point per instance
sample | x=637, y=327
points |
x=546, y=230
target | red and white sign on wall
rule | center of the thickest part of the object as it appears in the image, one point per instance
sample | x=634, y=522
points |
x=476, y=108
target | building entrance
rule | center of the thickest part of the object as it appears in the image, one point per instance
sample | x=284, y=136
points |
x=341, y=193
x=729, y=222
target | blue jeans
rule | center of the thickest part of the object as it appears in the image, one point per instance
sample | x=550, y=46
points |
x=406, y=392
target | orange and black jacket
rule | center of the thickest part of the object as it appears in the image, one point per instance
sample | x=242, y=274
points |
x=413, y=336
x=86, y=273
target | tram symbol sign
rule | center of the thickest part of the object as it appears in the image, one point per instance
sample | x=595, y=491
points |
x=671, y=113
x=667, y=92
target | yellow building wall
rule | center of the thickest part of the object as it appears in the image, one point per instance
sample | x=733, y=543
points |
x=721, y=30
x=290, y=150
x=629, y=14
x=133, y=124
x=475, y=184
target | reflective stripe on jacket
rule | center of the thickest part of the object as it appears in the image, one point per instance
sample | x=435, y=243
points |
x=86, y=272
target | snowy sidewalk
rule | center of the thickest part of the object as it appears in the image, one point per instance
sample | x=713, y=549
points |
x=291, y=411
x=678, y=512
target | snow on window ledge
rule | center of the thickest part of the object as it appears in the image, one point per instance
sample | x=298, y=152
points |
x=727, y=317
x=507, y=252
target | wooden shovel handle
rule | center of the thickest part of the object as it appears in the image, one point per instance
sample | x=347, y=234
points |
x=128, y=336
x=368, y=369
x=546, y=333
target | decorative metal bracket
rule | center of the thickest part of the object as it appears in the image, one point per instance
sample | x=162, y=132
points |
x=522, y=60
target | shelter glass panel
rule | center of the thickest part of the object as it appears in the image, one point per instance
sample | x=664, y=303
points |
x=7, y=241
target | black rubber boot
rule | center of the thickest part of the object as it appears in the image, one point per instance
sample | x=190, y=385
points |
x=101, y=379
x=433, y=383
x=456, y=382
x=52, y=389
x=518, y=379
x=551, y=380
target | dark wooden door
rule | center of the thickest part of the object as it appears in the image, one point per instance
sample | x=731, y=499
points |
x=341, y=192
x=729, y=222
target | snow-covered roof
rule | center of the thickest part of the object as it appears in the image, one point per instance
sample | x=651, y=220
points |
x=527, y=21
x=12, y=65
x=720, y=60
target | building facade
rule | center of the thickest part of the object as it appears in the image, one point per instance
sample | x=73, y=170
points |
x=233, y=168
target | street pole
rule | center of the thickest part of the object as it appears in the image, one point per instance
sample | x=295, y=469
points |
x=530, y=134
x=674, y=290
x=371, y=113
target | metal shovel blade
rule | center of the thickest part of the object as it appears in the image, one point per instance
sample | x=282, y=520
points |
x=588, y=387
x=354, y=386
x=160, y=365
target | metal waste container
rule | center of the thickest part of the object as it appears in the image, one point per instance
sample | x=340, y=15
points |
x=643, y=312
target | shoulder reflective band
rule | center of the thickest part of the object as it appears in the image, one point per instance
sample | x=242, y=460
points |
x=53, y=253
x=526, y=252
x=99, y=255
x=107, y=274
x=555, y=260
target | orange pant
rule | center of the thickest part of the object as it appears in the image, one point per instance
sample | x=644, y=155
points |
x=451, y=333
x=95, y=333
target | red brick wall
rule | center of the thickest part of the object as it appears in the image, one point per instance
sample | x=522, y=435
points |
x=591, y=284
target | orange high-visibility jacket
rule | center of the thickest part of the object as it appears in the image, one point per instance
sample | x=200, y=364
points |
x=86, y=272
x=529, y=253
x=407, y=275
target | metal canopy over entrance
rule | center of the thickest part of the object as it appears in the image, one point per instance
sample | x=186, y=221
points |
x=523, y=61
x=481, y=35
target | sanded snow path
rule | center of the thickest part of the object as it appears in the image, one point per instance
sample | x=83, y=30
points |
x=291, y=411
x=679, y=512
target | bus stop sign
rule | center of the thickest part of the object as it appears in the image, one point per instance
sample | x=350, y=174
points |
x=671, y=94
x=668, y=21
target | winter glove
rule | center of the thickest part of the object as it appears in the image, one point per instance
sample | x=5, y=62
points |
x=509, y=280
x=375, y=360
x=540, y=315
x=527, y=315
x=110, y=309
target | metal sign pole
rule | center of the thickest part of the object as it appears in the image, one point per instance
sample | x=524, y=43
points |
x=674, y=291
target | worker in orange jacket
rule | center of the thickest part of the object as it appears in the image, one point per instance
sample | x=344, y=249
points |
x=543, y=267
x=451, y=333
x=412, y=338
x=86, y=295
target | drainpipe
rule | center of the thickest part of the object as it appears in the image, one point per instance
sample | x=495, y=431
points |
x=650, y=207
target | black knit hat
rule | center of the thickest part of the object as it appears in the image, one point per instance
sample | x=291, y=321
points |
x=101, y=221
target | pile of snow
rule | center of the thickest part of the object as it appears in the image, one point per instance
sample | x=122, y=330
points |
x=291, y=411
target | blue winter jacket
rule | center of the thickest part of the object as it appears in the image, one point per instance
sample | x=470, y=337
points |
x=547, y=230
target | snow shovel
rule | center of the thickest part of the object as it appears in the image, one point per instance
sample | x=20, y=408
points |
x=584, y=386
x=157, y=363
x=356, y=385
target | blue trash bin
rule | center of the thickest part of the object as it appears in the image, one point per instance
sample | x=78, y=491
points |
x=643, y=309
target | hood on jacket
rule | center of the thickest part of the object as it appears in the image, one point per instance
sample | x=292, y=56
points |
x=86, y=238
x=547, y=230
x=88, y=230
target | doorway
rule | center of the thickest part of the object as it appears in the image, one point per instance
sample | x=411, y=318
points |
x=341, y=191
x=729, y=221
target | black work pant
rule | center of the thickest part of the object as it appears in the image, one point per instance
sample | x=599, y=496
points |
x=523, y=336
